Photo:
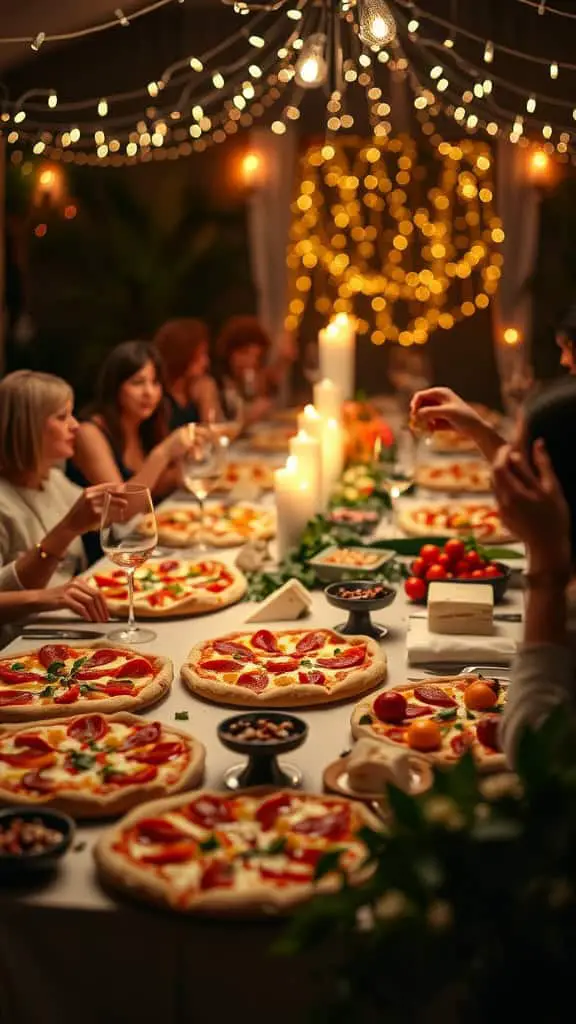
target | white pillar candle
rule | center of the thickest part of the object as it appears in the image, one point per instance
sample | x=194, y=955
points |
x=294, y=505
x=332, y=456
x=337, y=353
x=308, y=451
x=312, y=423
x=328, y=399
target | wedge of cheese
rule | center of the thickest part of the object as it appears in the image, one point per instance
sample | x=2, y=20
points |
x=289, y=602
x=461, y=608
x=373, y=764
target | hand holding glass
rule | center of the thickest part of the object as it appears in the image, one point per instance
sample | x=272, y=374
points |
x=128, y=535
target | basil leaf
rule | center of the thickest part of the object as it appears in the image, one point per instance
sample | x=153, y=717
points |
x=307, y=662
x=78, y=664
x=337, y=650
x=181, y=716
x=81, y=761
x=86, y=688
x=445, y=714
x=108, y=770
x=48, y=691
x=276, y=846
x=365, y=720
x=17, y=666
x=55, y=668
x=209, y=844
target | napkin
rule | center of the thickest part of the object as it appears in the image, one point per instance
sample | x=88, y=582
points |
x=423, y=646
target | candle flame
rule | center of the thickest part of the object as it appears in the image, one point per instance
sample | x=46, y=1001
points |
x=311, y=412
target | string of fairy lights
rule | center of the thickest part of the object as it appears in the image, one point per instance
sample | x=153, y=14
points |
x=279, y=53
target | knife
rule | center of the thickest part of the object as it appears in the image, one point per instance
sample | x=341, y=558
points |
x=442, y=668
x=498, y=617
x=39, y=633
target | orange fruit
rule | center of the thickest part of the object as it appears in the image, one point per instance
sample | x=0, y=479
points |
x=480, y=697
x=424, y=735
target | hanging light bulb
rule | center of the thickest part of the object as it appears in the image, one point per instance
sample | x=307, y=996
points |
x=376, y=24
x=311, y=68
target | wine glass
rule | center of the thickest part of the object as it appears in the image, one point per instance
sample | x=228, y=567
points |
x=395, y=465
x=128, y=535
x=202, y=468
x=228, y=425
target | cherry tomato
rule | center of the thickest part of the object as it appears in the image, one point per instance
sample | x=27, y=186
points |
x=415, y=588
x=487, y=730
x=492, y=571
x=473, y=560
x=454, y=549
x=436, y=572
x=429, y=553
x=478, y=574
x=444, y=560
x=390, y=706
x=479, y=696
x=424, y=735
x=418, y=567
x=461, y=569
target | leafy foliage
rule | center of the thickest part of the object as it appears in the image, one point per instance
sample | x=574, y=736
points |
x=470, y=911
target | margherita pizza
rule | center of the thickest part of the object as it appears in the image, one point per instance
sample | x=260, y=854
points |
x=222, y=526
x=249, y=473
x=57, y=680
x=440, y=720
x=92, y=766
x=287, y=668
x=450, y=520
x=173, y=587
x=471, y=475
x=255, y=852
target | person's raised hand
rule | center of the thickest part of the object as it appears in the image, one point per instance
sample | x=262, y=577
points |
x=86, y=513
x=442, y=408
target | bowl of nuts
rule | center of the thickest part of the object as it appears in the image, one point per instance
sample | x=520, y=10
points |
x=340, y=563
x=32, y=840
x=262, y=736
x=359, y=598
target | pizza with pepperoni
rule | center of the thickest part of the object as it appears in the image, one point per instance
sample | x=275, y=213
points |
x=253, y=852
x=95, y=765
x=285, y=668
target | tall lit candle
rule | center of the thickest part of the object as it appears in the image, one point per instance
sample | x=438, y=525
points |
x=332, y=456
x=312, y=423
x=308, y=451
x=294, y=505
x=337, y=353
x=328, y=399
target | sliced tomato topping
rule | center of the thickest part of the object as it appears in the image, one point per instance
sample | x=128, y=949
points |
x=208, y=811
x=256, y=680
x=347, y=659
x=139, y=778
x=101, y=657
x=33, y=741
x=54, y=652
x=397, y=735
x=69, y=696
x=435, y=695
x=264, y=640
x=91, y=675
x=158, y=830
x=313, y=678
x=287, y=665
x=37, y=781
x=459, y=744
x=134, y=668
x=310, y=642
x=159, y=754
x=105, y=581
x=8, y=697
x=142, y=737
x=29, y=759
x=233, y=649
x=125, y=689
x=417, y=711
x=176, y=853
x=309, y=856
x=88, y=728
x=283, y=875
x=334, y=825
x=168, y=566
x=269, y=810
x=14, y=676
x=214, y=588
x=220, y=665
x=218, y=875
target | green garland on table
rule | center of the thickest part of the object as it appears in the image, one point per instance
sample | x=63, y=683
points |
x=469, y=914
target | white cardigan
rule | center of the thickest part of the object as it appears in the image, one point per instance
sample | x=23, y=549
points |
x=26, y=515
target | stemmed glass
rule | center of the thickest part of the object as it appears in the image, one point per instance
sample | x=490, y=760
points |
x=229, y=425
x=128, y=535
x=396, y=466
x=202, y=468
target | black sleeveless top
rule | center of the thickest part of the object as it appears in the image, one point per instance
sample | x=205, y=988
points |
x=91, y=540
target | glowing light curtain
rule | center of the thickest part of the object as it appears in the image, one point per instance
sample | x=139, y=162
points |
x=269, y=224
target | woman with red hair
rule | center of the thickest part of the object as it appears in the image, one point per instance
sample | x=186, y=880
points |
x=183, y=345
x=243, y=348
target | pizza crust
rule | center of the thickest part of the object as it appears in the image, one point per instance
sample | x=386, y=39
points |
x=261, y=900
x=194, y=604
x=412, y=529
x=157, y=688
x=94, y=805
x=439, y=758
x=425, y=477
x=300, y=695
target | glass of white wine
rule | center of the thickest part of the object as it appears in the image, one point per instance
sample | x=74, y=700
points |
x=202, y=468
x=128, y=535
x=396, y=466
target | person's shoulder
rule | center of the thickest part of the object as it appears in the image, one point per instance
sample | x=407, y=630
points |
x=58, y=481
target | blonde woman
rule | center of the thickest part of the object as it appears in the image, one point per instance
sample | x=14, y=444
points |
x=42, y=514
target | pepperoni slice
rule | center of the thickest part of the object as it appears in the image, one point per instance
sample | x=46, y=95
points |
x=313, y=678
x=396, y=735
x=430, y=694
x=269, y=810
x=159, y=754
x=89, y=675
x=334, y=825
x=276, y=667
x=234, y=649
x=105, y=581
x=168, y=566
x=158, y=830
x=118, y=689
x=348, y=659
x=53, y=652
x=310, y=642
x=417, y=711
x=37, y=781
x=459, y=743
x=135, y=667
x=8, y=697
x=88, y=728
x=208, y=811
x=29, y=759
x=139, y=778
x=69, y=696
x=13, y=676
x=214, y=588
x=220, y=665
x=32, y=741
x=142, y=737
x=218, y=875
x=101, y=657
x=256, y=680
x=283, y=876
x=264, y=640
x=174, y=854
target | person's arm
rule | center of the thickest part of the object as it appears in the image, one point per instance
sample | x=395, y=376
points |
x=438, y=408
x=76, y=596
x=95, y=458
x=205, y=395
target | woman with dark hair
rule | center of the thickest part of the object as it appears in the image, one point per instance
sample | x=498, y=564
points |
x=125, y=436
x=191, y=392
x=243, y=349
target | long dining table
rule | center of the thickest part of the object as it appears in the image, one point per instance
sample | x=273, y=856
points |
x=70, y=950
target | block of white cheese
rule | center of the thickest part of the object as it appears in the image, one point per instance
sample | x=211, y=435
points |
x=372, y=764
x=288, y=602
x=461, y=608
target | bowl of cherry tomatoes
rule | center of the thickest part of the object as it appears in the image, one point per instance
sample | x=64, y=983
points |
x=457, y=563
